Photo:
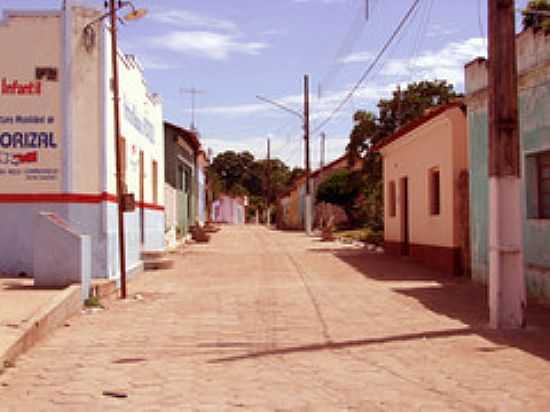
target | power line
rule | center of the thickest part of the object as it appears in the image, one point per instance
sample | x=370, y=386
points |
x=371, y=66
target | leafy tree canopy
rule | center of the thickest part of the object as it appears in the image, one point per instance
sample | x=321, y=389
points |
x=241, y=174
x=341, y=188
x=536, y=21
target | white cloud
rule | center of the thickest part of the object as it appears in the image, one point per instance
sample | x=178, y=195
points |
x=207, y=44
x=189, y=20
x=445, y=63
x=150, y=63
x=358, y=57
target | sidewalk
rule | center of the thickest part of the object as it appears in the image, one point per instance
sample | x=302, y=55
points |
x=28, y=314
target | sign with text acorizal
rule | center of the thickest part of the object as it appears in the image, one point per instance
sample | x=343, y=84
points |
x=30, y=136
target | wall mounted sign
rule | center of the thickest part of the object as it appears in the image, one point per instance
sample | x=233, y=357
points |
x=30, y=134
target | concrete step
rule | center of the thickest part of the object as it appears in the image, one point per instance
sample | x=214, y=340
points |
x=158, y=264
x=103, y=288
x=147, y=255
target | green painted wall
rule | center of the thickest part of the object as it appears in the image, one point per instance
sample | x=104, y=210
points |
x=479, y=193
x=182, y=210
x=534, y=107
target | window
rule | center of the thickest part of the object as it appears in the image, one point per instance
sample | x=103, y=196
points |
x=180, y=178
x=392, y=199
x=538, y=185
x=435, y=191
x=155, y=182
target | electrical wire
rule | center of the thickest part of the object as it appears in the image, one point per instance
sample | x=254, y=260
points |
x=370, y=67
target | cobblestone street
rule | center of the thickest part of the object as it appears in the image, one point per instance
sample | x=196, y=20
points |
x=263, y=320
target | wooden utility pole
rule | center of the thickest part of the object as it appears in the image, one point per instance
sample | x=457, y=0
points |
x=308, y=202
x=507, y=298
x=118, y=149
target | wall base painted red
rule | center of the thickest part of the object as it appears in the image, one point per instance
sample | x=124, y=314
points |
x=444, y=259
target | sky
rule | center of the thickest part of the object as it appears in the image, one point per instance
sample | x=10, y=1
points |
x=235, y=50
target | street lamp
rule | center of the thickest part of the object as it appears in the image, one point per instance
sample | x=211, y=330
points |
x=135, y=14
x=305, y=118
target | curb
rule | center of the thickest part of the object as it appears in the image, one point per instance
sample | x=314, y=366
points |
x=62, y=307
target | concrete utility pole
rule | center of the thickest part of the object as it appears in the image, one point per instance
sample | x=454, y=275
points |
x=268, y=220
x=308, y=201
x=507, y=297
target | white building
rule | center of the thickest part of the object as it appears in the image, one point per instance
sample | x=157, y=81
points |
x=57, y=147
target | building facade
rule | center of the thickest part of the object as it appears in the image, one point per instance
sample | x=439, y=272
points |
x=533, y=58
x=181, y=173
x=57, y=145
x=228, y=209
x=292, y=202
x=424, y=165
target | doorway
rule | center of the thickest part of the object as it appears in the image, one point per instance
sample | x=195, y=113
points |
x=404, y=212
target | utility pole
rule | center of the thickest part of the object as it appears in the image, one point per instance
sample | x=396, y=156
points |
x=308, y=203
x=268, y=220
x=507, y=296
x=119, y=182
x=193, y=92
x=322, y=152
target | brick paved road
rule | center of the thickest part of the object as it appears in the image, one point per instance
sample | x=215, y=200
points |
x=262, y=320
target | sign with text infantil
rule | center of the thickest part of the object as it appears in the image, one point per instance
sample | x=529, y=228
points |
x=30, y=135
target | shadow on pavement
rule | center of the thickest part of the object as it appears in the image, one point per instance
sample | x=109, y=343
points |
x=347, y=344
x=455, y=297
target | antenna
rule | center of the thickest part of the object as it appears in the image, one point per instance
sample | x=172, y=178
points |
x=193, y=92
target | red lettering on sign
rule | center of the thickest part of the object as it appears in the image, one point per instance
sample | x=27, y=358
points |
x=14, y=87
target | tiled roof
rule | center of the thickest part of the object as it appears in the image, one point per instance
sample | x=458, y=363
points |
x=432, y=114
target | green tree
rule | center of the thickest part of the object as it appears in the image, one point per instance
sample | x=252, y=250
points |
x=295, y=174
x=536, y=21
x=232, y=169
x=342, y=188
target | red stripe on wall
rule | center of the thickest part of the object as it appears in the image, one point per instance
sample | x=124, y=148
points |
x=68, y=198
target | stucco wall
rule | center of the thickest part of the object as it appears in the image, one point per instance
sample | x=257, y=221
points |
x=534, y=107
x=83, y=193
x=440, y=143
x=29, y=41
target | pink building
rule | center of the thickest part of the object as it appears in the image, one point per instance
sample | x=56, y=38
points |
x=426, y=190
x=227, y=209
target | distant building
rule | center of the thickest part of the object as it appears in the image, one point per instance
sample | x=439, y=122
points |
x=292, y=202
x=181, y=150
x=425, y=190
x=533, y=57
x=229, y=209
x=57, y=144
x=202, y=187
